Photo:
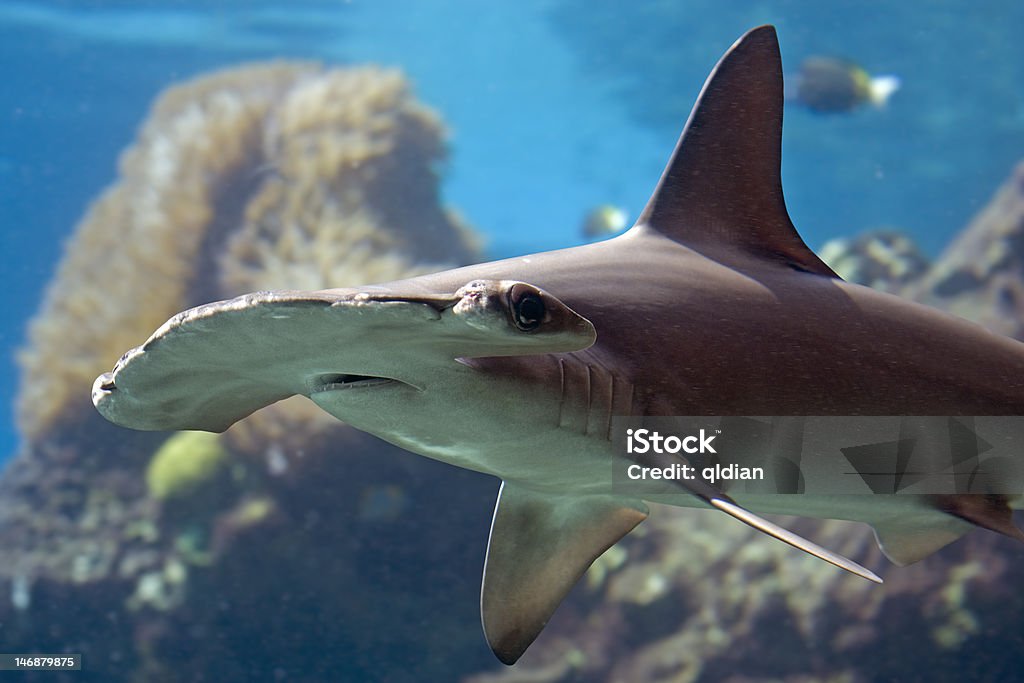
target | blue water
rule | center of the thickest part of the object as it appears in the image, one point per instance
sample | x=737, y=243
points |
x=553, y=107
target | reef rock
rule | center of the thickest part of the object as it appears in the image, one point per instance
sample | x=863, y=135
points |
x=886, y=260
x=980, y=276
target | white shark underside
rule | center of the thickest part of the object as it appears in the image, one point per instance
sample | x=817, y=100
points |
x=710, y=305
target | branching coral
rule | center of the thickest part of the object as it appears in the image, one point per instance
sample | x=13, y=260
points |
x=281, y=175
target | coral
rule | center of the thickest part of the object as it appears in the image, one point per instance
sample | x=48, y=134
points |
x=882, y=259
x=280, y=175
x=186, y=464
x=360, y=215
x=161, y=589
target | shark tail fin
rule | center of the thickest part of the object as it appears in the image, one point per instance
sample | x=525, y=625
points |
x=786, y=536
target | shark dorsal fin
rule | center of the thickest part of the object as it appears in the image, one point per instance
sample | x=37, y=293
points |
x=722, y=188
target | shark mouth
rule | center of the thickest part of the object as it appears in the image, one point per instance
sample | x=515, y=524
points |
x=341, y=381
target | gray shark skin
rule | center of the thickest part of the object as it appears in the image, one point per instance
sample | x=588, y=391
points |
x=710, y=305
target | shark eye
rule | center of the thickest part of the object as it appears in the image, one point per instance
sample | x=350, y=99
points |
x=527, y=307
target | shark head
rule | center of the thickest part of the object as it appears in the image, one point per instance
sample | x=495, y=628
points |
x=364, y=355
x=710, y=305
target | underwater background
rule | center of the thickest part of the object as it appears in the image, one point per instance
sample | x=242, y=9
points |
x=294, y=549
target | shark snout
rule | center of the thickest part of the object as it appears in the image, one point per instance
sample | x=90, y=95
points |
x=339, y=347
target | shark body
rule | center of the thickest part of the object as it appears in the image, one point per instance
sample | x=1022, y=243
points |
x=710, y=305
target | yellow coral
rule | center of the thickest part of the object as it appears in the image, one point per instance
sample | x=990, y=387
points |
x=280, y=175
x=185, y=465
x=367, y=214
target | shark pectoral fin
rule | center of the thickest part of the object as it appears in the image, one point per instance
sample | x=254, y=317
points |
x=540, y=546
x=787, y=536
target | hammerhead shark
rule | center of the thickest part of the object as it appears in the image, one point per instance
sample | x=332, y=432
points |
x=711, y=304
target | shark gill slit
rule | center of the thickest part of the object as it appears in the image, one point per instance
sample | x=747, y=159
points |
x=590, y=398
x=602, y=399
x=575, y=401
x=561, y=399
x=614, y=396
x=611, y=407
x=628, y=407
x=591, y=395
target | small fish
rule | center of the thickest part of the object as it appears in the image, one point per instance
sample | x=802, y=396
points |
x=604, y=220
x=830, y=85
